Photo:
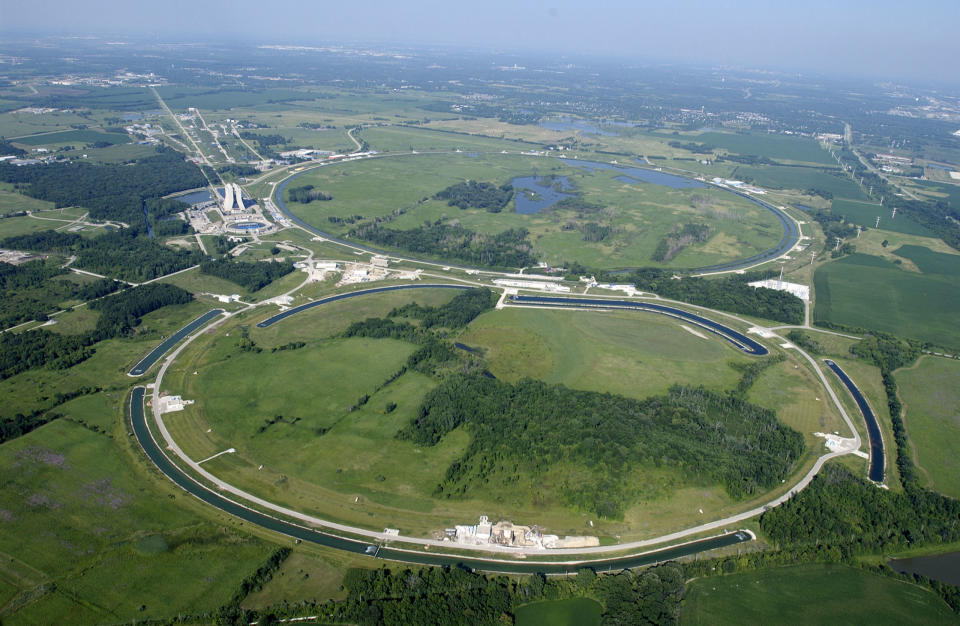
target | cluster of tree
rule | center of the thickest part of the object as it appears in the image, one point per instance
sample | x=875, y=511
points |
x=251, y=276
x=692, y=146
x=805, y=341
x=121, y=313
x=485, y=196
x=20, y=424
x=20, y=352
x=729, y=293
x=578, y=205
x=265, y=139
x=35, y=289
x=672, y=244
x=316, y=126
x=8, y=149
x=594, y=232
x=432, y=354
x=748, y=159
x=530, y=426
x=751, y=370
x=110, y=191
x=838, y=508
x=307, y=194
x=457, y=313
x=350, y=219
x=238, y=169
x=119, y=253
x=509, y=248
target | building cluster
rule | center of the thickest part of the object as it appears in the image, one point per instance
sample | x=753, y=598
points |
x=513, y=535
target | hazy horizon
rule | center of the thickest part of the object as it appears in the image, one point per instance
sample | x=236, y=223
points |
x=878, y=40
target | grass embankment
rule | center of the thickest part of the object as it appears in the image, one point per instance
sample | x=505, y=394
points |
x=931, y=396
x=811, y=594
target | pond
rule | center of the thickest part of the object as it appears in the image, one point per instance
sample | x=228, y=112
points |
x=564, y=124
x=943, y=567
x=536, y=193
x=639, y=174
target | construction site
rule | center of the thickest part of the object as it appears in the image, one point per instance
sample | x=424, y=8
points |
x=508, y=534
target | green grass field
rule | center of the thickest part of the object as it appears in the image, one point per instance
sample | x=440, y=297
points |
x=811, y=594
x=572, y=612
x=781, y=177
x=931, y=396
x=639, y=214
x=72, y=137
x=866, y=214
x=776, y=147
x=76, y=514
x=871, y=292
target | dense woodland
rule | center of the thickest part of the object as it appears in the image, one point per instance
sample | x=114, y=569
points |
x=34, y=290
x=530, y=426
x=110, y=191
x=471, y=194
x=121, y=254
x=509, y=248
x=680, y=238
x=729, y=293
x=251, y=276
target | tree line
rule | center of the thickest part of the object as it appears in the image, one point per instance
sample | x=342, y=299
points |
x=307, y=194
x=509, y=248
x=728, y=293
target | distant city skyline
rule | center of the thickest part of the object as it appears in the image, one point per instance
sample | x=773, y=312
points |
x=881, y=39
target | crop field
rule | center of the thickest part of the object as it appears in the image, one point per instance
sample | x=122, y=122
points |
x=782, y=177
x=282, y=411
x=773, y=146
x=866, y=214
x=639, y=215
x=811, y=594
x=109, y=545
x=871, y=292
x=402, y=139
x=931, y=397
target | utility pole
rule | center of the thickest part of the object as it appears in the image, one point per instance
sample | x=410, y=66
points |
x=878, y=222
x=894, y=214
x=837, y=247
x=858, y=231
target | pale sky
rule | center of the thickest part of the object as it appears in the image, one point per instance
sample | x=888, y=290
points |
x=878, y=38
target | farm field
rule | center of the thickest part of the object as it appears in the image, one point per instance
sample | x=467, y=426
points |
x=811, y=594
x=801, y=178
x=931, y=397
x=638, y=215
x=871, y=292
x=72, y=137
x=866, y=214
x=773, y=146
